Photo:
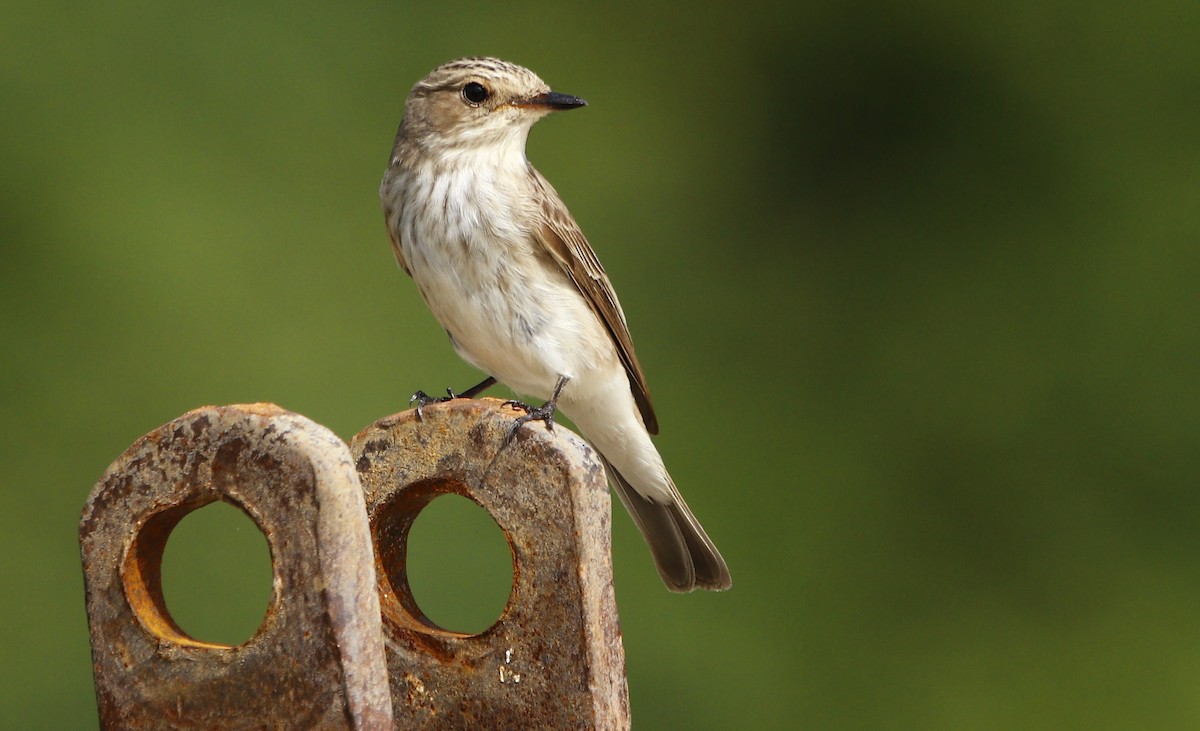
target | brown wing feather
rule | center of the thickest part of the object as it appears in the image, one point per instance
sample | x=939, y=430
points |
x=561, y=237
x=394, y=236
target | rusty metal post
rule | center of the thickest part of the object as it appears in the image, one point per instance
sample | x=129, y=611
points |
x=317, y=660
x=554, y=659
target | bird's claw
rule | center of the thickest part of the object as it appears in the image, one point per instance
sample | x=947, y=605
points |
x=518, y=405
x=544, y=414
x=422, y=399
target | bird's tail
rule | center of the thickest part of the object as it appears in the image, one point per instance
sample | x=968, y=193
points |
x=683, y=553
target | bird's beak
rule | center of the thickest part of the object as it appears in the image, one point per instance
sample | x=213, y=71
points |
x=551, y=101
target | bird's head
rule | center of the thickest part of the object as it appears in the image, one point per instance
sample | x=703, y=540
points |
x=478, y=102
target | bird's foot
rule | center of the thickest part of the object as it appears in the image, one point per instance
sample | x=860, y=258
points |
x=544, y=413
x=422, y=399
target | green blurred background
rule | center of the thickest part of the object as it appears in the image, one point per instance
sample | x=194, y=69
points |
x=916, y=289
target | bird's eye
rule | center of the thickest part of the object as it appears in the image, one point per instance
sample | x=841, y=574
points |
x=475, y=93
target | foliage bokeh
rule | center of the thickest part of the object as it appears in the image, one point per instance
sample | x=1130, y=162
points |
x=915, y=288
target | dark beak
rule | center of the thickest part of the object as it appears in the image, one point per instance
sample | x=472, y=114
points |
x=552, y=100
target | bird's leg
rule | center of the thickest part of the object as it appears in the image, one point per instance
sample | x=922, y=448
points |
x=422, y=399
x=543, y=413
x=475, y=390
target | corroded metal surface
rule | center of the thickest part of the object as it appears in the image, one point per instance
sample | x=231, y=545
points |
x=554, y=659
x=317, y=660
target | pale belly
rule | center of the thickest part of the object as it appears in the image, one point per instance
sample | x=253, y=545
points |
x=512, y=316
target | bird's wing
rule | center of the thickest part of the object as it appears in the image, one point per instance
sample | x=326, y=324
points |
x=563, y=240
x=398, y=251
x=389, y=199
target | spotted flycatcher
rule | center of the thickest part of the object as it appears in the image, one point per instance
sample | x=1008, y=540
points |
x=509, y=275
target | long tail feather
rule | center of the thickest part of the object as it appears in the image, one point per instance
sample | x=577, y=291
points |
x=683, y=553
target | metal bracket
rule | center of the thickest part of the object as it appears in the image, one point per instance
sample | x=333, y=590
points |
x=554, y=659
x=343, y=644
x=317, y=660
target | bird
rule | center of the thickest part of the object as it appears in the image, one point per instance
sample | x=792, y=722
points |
x=509, y=275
